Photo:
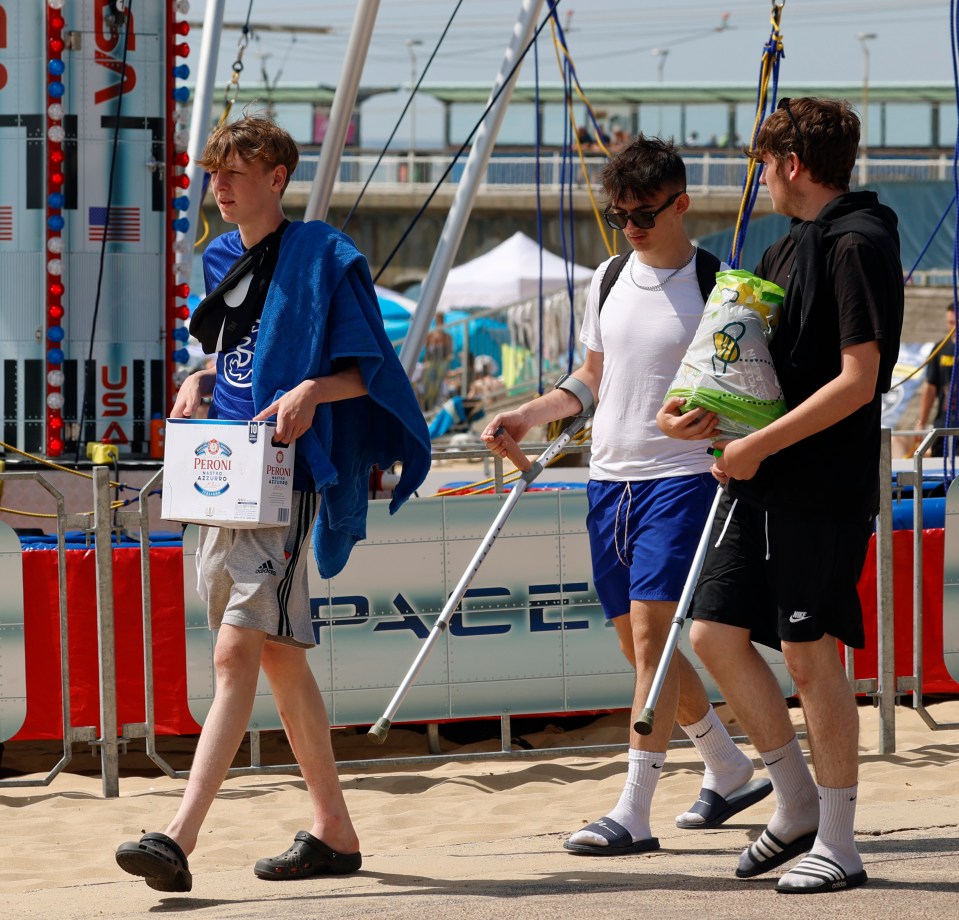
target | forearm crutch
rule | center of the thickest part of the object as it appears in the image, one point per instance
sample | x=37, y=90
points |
x=644, y=724
x=530, y=471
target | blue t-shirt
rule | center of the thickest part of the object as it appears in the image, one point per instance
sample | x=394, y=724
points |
x=233, y=392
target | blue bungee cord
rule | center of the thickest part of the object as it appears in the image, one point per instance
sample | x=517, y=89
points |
x=539, y=218
x=932, y=236
x=567, y=182
x=567, y=169
x=949, y=447
x=567, y=224
x=768, y=70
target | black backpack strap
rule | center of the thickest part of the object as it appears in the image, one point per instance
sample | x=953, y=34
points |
x=613, y=271
x=706, y=267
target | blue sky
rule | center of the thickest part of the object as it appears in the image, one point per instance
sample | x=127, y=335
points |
x=610, y=41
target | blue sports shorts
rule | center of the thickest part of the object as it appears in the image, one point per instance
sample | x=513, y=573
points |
x=643, y=536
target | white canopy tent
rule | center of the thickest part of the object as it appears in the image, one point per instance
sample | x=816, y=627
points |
x=506, y=275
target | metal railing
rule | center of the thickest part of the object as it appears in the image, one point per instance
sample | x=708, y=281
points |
x=71, y=733
x=105, y=522
x=885, y=689
x=914, y=479
x=705, y=173
x=140, y=519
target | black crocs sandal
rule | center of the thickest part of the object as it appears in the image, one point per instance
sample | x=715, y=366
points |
x=307, y=857
x=159, y=860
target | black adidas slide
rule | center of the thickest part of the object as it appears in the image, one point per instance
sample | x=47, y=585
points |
x=769, y=851
x=823, y=875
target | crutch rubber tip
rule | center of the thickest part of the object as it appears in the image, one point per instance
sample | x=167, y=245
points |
x=644, y=724
x=380, y=730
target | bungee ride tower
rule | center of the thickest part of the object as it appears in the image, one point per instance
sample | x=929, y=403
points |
x=93, y=190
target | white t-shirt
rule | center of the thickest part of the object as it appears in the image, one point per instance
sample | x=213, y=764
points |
x=643, y=336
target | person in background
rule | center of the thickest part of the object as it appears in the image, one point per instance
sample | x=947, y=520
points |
x=485, y=384
x=431, y=373
x=439, y=343
x=935, y=389
x=586, y=140
x=619, y=141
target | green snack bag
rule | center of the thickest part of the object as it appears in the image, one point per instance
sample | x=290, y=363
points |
x=727, y=368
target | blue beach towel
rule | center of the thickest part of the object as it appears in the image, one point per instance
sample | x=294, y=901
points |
x=321, y=306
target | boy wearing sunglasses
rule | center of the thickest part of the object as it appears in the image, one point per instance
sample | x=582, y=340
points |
x=648, y=495
x=794, y=542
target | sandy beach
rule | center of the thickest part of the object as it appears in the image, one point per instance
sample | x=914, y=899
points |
x=475, y=839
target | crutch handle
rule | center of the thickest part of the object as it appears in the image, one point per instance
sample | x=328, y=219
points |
x=380, y=730
x=513, y=452
x=644, y=724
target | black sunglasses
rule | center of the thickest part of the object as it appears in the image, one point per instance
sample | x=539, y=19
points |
x=800, y=141
x=617, y=218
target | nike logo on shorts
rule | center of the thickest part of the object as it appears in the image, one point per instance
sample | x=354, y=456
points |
x=799, y=616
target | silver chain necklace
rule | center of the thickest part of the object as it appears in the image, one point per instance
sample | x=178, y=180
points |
x=662, y=284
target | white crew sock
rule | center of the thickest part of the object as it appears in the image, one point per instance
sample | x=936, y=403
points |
x=797, y=803
x=632, y=809
x=726, y=767
x=835, y=841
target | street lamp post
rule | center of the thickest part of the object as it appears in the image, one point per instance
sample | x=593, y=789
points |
x=864, y=139
x=662, y=54
x=412, y=43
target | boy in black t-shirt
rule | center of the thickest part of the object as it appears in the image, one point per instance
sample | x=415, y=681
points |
x=791, y=535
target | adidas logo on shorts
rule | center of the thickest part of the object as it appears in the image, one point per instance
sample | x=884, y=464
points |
x=266, y=569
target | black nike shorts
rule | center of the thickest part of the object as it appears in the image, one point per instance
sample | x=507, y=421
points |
x=784, y=576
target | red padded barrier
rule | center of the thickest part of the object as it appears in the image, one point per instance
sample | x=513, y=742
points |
x=42, y=641
x=172, y=712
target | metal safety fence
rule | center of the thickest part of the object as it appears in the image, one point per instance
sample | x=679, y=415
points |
x=886, y=689
x=705, y=172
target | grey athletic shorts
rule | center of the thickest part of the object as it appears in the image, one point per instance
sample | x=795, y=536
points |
x=257, y=578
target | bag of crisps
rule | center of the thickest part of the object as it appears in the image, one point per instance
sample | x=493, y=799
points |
x=727, y=368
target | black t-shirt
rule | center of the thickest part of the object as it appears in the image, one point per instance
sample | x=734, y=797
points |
x=858, y=298
x=939, y=374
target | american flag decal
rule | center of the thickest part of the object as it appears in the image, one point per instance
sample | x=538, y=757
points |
x=124, y=225
x=6, y=223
